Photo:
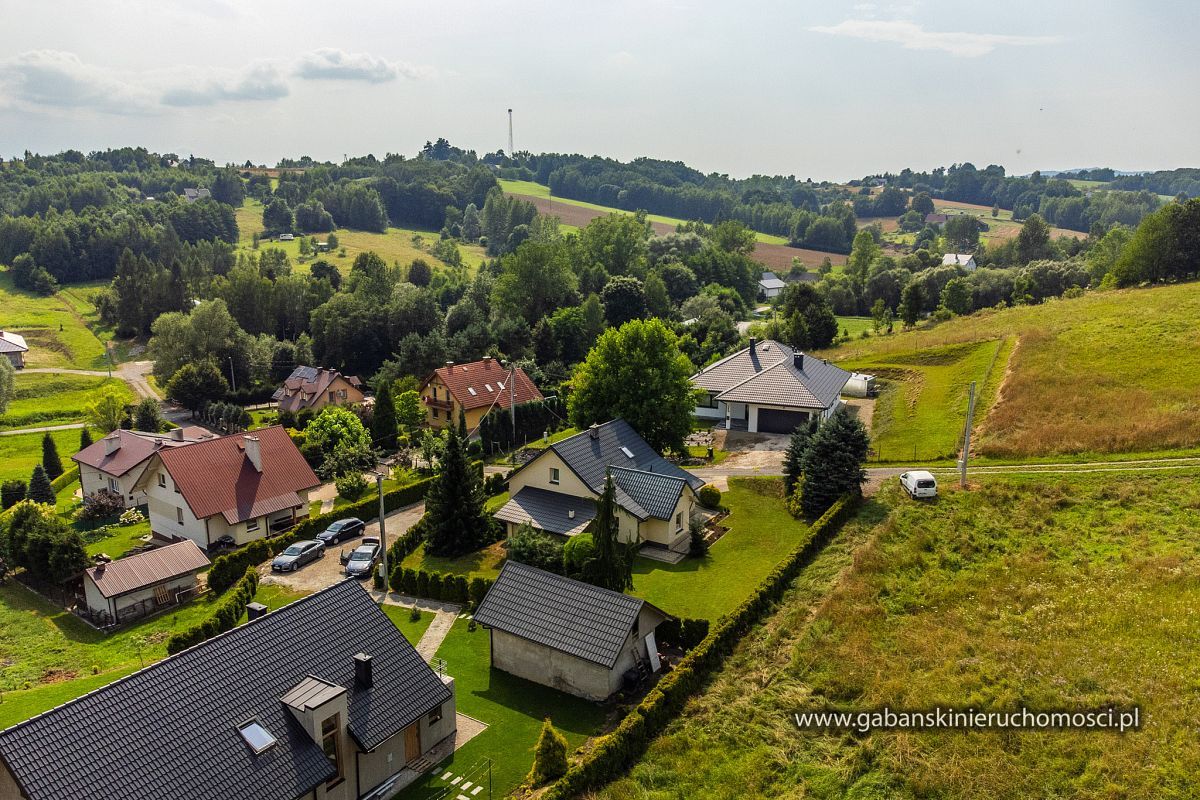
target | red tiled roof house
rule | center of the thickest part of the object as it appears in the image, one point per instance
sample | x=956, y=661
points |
x=116, y=462
x=313, y=388
x=244, y=486
x=475, y=388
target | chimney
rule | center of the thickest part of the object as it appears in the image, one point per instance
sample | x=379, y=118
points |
x=753, y=342
x=253, y=451
x=449, y=366
x=362, y=671
x=571, y=513
x=112, y=443
x=594, y=431
x=177, y=434
x=798, y=360
x=254, y=611
x=487, y=362
x=100, y=568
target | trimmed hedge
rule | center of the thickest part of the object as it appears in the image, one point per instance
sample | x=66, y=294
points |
x=684, y=633
x=614, y=753
x=225, y=618
x=67, y=478
x=229, y=567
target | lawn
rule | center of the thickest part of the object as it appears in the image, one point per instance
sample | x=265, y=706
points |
x=395, y=246
x=116, y=540
x=42, y=399
x=1108, y=373
x=922, y=404
x=483, y=563
x=412, y=629
x=513, y=710
x=1050, y=594
x=21, y=452
x=761, y=533
x=855, y=326
x=532, y=189
x=62, y=330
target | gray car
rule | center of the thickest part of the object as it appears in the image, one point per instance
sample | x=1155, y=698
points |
x=297, y=555
x=362, y=561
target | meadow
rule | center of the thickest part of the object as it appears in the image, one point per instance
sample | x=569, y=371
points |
x=395, y=246
x=1109, y=373
x=21, y=452
x=1046, y=594
x=62, y=330
x=54, y=399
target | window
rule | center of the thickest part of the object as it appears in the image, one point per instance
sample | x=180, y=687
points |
x=709, y=401
x=487, y=386
x=331, y=744
x=435, y=413
x=251, y=525
x=435, y=715
x=628, y=453
x=471, y=389
x=554, y=475
x=179, y=515
x=679, y=521
x=255, y=735
x=162, y=480
x=435, y=393
x=112, y=485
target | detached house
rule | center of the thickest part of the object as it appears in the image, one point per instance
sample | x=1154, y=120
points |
x=964, y=260
x=115, y=462
x=13, y=347
x=242, y=486
x=769, y=388
x=475, y=389
x=556, y=492
x=770, y=285
x=323, y=698
x=568, y=635
x=313, y=388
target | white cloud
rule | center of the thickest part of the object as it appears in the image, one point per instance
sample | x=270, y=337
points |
x=259, y=81
x=55, y=79
x=913, y=37
x=328, y=63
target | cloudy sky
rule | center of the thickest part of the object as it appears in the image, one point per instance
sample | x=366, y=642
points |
x=824, y=90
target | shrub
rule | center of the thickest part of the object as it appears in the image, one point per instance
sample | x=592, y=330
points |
x=710, y=496
x=549, y=756
x=101, y=505
x=577, y=552
x=12, y=491
x=40, y=490
x=697, y=547
x=132, y=517
x=535, y=548
x=50, y=459
x=477, y=591
x=414, y=614
x=352, y=486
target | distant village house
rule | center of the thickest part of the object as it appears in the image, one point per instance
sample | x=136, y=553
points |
x=964, y=260
x=13, y=347
x=313, y=388
x=474, y=388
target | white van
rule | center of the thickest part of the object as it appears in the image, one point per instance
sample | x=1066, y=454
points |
x=919, y=483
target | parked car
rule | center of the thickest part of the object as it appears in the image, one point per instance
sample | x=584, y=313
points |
x=341, y=530
x=344, y=557
x=919, y=483
x=362, y=560
x=297, y=555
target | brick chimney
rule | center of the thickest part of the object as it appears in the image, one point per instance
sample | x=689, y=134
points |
x=594, y=431
x=253, y=451
x=112, y=443
x=487, y=362
x=362, y=671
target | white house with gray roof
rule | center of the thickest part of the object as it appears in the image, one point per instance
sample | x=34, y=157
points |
x=769, y=388
x=568, y=635
x=557, y=491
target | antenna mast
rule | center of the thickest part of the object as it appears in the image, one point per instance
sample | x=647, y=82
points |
x=510, y=142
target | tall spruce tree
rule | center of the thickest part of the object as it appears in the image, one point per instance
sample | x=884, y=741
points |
x=833, y=462
x=454, y=504
x=613, y=568
x=85, y=437
x=50, y=459
x=40, y=490
x=383, y=423
x=794, y=457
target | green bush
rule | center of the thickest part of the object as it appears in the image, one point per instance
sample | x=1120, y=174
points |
x=224, y=618
x=65, y=480
x=613, y=754
x=549, y=756
x=577, y=552
x=351, y=487
x=710, y=496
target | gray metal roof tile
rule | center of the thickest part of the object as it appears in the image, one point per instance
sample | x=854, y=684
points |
x=548, y=511
x=768, y=376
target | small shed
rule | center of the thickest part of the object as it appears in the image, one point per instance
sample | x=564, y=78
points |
x=859, y=385
x=141, y=584
x=568, y=635
x=13, y=347
x=770, y=285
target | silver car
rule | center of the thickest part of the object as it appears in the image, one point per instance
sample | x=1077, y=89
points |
x=362, y=560
x=297, y=555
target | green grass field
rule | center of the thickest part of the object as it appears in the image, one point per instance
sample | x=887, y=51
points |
x=62, y=330
x=395, y=246
x=1047, y=593
x=1108, y=373
x=513, y=710
x=20, y=453
x=855, y=326
x=44, y=399
x=532, y=189
x=412, y=629
x=483, y=563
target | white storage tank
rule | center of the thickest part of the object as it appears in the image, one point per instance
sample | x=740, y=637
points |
x=859, y=385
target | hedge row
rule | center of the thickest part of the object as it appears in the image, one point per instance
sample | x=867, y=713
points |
x=684, y=633
x=62, y=481
x=229, y=567
x=225, y=618
x=613, y=754
x=446, y=587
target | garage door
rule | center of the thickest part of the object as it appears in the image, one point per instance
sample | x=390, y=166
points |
x=773, y=420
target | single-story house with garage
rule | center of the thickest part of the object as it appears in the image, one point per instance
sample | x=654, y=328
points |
x=313, y=388
x=13, y=347
x=556, y=491
x=770, y=285
x=964, y=260
x=243, y=486
x=137, y=585
x=115, y=462
x=322, y=699
x=568, y=635
x=769, y=388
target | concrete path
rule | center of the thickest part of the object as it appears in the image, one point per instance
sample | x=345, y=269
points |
x=435, y=633
x=16, y=431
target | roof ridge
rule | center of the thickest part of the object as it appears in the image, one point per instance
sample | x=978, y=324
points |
x=649, y=472
x=749, y=378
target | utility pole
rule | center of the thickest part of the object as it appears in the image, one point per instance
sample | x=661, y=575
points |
x=510, y=141
x=383, y=563
x=512, y=406
x=966, y=450
x=232, y=380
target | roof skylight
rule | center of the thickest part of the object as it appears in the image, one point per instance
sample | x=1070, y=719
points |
x=628, y=453
x=471, y=389
x=488, y=386
x=255, y=735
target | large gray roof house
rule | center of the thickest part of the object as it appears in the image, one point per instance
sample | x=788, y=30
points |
x=566, y=634
x=557, y=490
x=323, y=698
x=769, y=388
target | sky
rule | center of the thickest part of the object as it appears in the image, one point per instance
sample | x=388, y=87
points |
x=827, y=90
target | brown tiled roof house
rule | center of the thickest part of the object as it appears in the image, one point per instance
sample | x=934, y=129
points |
x=313, y=388
x=474, y=388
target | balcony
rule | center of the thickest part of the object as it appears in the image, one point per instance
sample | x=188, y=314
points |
x=436, y=403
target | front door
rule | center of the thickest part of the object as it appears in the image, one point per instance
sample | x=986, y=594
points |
x=412, y=742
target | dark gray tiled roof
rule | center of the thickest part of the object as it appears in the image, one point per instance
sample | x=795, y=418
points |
x=170, y=730
x=654, y=493
x=768, y=376
x=563, y=614
x=548, y=511
x=590, y=457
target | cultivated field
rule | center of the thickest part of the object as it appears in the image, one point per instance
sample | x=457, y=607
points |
x=1108, y=373
x=1053, y=594
x=772, y=251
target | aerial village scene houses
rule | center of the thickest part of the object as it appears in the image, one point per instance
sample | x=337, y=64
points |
x=115, y=462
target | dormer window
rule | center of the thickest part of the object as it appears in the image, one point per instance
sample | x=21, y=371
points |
x=259, y=738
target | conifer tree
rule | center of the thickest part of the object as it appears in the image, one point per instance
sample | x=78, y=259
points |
x=454, y=504
x=383, y=423
x=613, y=568
x=549, y=756
x=833, y=462
x=50, y=459
x=40, y=490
